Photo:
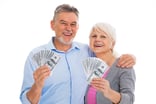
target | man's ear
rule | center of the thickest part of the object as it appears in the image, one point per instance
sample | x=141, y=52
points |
x=52, y=24
x=78, y=26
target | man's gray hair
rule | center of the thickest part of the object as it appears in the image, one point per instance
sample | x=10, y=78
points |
x=65, y=8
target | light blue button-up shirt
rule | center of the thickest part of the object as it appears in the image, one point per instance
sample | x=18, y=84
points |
x=67, y=83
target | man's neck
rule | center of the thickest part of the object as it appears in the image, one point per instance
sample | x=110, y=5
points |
x=60, y=46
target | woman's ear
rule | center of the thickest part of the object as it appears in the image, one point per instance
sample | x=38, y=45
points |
x=112, y=45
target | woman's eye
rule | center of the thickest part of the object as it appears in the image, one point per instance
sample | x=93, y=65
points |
x=103, y=36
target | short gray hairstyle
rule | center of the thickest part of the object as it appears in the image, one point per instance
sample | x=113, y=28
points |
x=65, y=8
x=107, y=28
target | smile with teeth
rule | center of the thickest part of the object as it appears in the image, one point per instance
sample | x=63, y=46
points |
x=67, y=33
x=98, y=45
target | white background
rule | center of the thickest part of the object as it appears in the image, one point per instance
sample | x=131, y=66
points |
x=25, y=24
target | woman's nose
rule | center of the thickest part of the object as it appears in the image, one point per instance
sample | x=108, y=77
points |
x=97, y=38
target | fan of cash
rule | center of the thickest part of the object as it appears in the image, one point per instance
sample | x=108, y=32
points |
x=94, y=68
x=46, y=57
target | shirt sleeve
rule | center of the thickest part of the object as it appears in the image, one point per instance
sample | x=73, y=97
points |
x=127, y=86
x=24, y=99
x=28, y=79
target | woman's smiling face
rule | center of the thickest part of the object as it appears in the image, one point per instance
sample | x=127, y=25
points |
x=100, y=42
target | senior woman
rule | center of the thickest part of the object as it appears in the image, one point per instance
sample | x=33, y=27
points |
x=118, y=84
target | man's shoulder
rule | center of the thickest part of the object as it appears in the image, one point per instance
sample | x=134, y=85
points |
x=81, y=45
x=84, y=48
x=39, y=48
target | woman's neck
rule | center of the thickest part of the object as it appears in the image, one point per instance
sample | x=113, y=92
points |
x=108, y=57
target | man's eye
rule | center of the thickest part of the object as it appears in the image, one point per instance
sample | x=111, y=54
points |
x=73, y=24
x=94, y=36
x=63, y=23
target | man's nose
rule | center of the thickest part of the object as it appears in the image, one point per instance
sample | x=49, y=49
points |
x=68, y=27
